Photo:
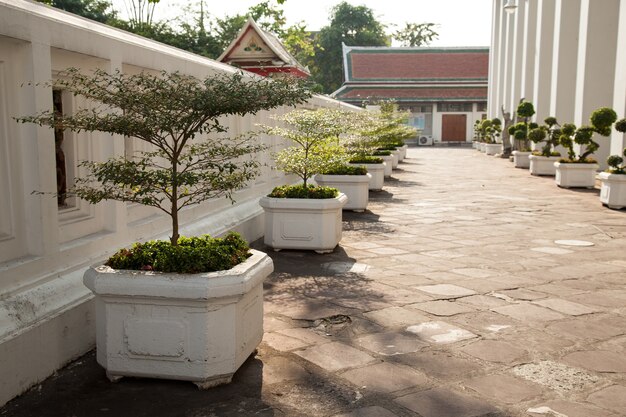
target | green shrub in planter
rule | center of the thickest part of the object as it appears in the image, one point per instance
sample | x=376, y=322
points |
x=525, y=110
x=365, y=159
x=301, y=191
x=191, y=255
x=548, y=134
x=346, y=170
x=601, y=121
x=616, y=162
x=382, y=153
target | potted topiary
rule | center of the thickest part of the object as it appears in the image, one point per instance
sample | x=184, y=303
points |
x=613, y=191
x=477, y=135
x=492, y=129
x=353, y=181
x=375, y=167
x=579, y=170
x=542, y=161
x=519, y=131
x=304, y=216
x=187, y=309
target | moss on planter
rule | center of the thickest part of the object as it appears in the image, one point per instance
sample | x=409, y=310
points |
x=298, y=191
x=191, y=256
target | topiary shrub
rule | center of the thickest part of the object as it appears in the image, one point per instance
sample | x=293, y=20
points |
x=366, y=160
x=300, y=191
x=382, y=153
x=190, y=256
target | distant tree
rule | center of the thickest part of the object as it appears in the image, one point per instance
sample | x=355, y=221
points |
x=416, y=34
x=352, y=25
x=98, y=10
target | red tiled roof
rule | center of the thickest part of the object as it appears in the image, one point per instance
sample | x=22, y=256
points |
x=417, y=64
x=416, y=94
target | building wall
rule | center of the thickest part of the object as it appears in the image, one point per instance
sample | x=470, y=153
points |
x=46, y=314
x=572, y=61
x=471, y=117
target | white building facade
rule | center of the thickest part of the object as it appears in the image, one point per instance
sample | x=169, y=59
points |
x=46, y=313
x=568, y=57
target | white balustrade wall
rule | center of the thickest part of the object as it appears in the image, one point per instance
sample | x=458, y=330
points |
x=46, y=314
x=566, y=56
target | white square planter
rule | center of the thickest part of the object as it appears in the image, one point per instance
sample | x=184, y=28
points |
x=569, y=175
x=303, y=223
x=493, y=148
x=355, y=187
x=190, y=327
x=520, y=159
x=388, y=160
x=402, y=150
x=613, y=191
x=481, y=146
x=394, y=162
x=377, y=172
x=543, y=165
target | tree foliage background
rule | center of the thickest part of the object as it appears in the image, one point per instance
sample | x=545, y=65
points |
x=198, y=31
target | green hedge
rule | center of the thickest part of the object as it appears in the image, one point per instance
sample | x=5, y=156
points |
x=298, y=191
x=192, y=255
x=347, y=170
x=366, y=160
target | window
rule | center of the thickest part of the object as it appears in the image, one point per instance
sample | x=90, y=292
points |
x=481, y=107
x=59, y=137
x=454, y=107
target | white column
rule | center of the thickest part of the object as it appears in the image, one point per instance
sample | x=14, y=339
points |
x=502, y=54
x=565, y=52
x=496, y=34
x=596, y=64
x=528, y=50
x=507, y=69
x=618, y=140
x=543, y=62
x=38, y=153
x=517, y=72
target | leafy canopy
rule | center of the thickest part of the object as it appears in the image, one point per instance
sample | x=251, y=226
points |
x=169, y=111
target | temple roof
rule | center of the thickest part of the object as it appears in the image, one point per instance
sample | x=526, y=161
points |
x=259, y=51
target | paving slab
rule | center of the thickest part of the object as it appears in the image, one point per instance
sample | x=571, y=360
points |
x=495, y=351
x=439, y=332
x=446, y=290
x=598, y=360
x=385, y=377
x=595, y=328
x=611, y=398
x=558, y=376
x=566, y=307
x=528, y=312
x=557, y=408
x=391, y=343
x=396, y=316
x=441, y=402
x=374, y=411
x=504, y=388
x=280, y=369
x=442, y=308
x=335, y=356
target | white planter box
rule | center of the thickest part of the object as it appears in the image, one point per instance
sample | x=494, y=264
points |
x=402, y=150
x=543, y=165
x=190, y=327
x=481, y=146
x=475, y=144
x=355, y=187
x=613, y=191
x=388, y=160
x=302, y=223
x=570, y=175
x=520, y=159
x=377, y=172
x=394, y=162
x=493, y=148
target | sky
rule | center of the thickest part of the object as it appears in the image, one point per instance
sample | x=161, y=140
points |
x=462, y=22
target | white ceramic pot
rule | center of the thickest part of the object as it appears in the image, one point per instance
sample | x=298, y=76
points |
x=190, y=327
x=543, y=165
x=520, y=159
x=613, y=191
x=493, y=148
x=570, y=175
x=303, y=223
x=377, y=171
x=355, y=187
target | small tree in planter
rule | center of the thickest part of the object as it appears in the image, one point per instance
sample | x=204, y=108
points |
x=305, y=216
x=613, y=191
x=519, y=131
x=491, y=131
x=578, y=169
x=169, y=111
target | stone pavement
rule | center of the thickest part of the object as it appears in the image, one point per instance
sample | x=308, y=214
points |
x=449, y=297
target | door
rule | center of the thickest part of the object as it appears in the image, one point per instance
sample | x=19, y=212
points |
x=453, y=127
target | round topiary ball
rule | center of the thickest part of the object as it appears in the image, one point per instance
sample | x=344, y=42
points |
x=620, y=125
x=525, y=109
x=614, y=161
x=537, y=135
x=603, y=118
x=550, y=121
x=568, y=129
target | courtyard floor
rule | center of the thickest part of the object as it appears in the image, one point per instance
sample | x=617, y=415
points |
x=453, y=295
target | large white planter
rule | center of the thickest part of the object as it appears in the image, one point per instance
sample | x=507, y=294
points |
x=388, y=160
x=569, y=175
x=303, y=223
x=190, y=327
x=475, y=144
x=613, y=191
x=355, y=187
x=402, y=150
x=543, y=165
x=481, y=146
x=377, y=172
x=520, y=159
x=492, y=148
x=394, y=162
